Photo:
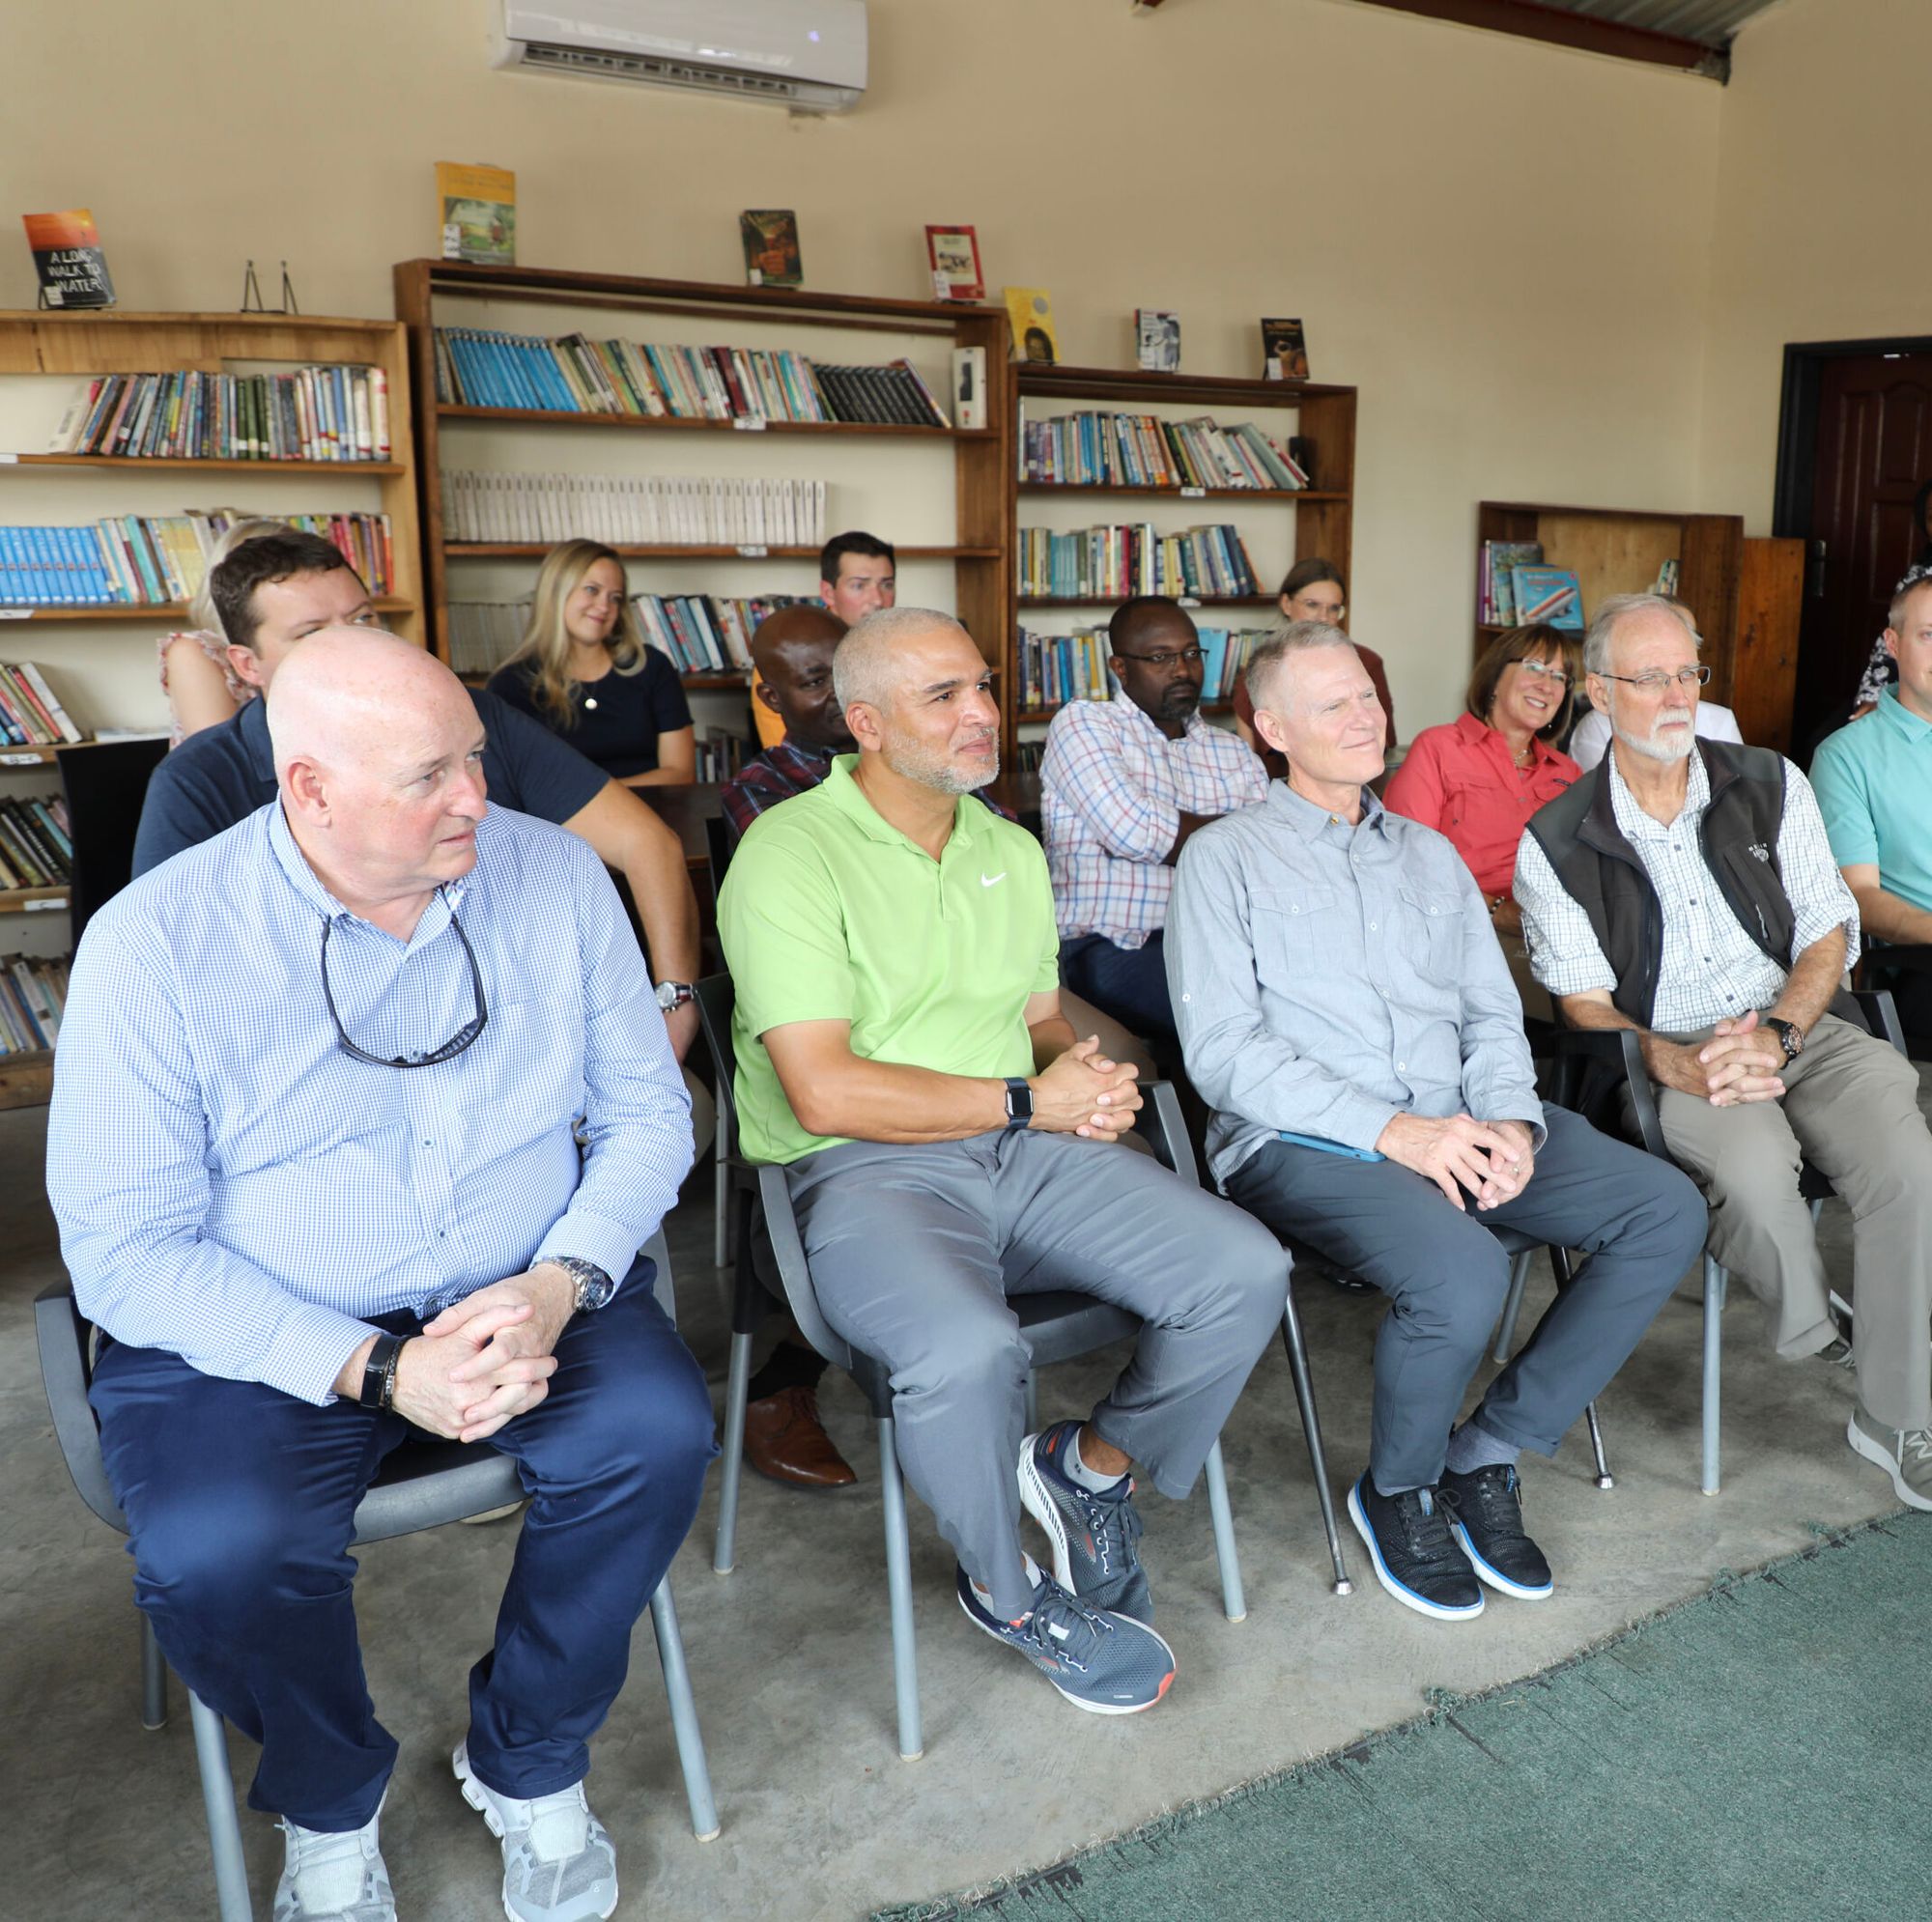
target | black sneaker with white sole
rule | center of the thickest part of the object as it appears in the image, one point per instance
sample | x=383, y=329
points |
x=1416, y=1558
x=1485, y=1513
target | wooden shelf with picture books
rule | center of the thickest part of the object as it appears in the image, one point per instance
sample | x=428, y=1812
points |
x=792, y=415
x=127, y=438
x=1276, y=457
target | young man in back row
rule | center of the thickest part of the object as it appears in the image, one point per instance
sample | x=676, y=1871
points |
x=273, y=592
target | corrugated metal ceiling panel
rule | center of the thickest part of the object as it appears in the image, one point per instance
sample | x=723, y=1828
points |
x=1709, y=22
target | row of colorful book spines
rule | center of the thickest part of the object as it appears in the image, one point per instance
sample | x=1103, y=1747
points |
x=127, y=561
x=30, y=715
x=702, y=633
x=1226, y=652
x=720, y=757
x=315, y=414
x=1055, y=669
x=32, y=996
x=576, y=374
x=1495, y=602
x=34, y=851
x=1203, y=561
x=1150, y=452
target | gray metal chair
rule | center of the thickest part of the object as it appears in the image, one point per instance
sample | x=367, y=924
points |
x=1598, y=1074
x=1059, y=1326
x=423, y=1483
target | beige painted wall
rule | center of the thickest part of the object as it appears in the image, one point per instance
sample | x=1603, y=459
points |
x=1819, y=217
x=1503, y=244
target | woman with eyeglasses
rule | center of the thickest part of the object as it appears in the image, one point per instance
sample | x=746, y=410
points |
x=1314, y=591
x=587, y=674
x=1480, y=778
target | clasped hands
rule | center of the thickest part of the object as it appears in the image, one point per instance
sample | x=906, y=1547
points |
x=1742, y=1062
x=487, y=1358
x=1082, y=1092
x=1492, y=1160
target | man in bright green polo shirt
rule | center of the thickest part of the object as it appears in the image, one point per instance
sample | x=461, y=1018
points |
x=1874, y=784
x=949, y=1144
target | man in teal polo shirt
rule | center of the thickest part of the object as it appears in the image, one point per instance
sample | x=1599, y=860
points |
x=902, y=1049
x=1874, y=784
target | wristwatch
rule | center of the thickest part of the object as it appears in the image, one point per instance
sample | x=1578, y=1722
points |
x=1019, y=1103
x=594, y=1287
x=1791, y=1037
x=674, y=993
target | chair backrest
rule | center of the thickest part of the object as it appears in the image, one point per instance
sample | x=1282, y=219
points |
x=716, y=1000
x=104, y=783
x=718, y=844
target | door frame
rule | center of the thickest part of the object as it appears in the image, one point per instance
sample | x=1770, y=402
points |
x=1798, y=421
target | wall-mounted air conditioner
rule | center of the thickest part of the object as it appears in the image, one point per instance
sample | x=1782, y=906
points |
x=809, y=54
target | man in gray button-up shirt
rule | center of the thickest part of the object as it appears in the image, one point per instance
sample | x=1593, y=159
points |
x=1347, y=1014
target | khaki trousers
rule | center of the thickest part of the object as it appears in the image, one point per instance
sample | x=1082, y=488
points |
x=1851, y=1106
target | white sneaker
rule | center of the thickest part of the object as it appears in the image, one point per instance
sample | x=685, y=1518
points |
x=558, y=1864
x=334, y=1877
x=1904, y=1454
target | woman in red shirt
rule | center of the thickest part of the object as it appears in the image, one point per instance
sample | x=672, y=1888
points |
x=1479, y=778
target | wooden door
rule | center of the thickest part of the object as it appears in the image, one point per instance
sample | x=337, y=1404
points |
x=1874, y=455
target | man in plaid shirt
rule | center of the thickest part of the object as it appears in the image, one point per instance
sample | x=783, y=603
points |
x=1122, y=784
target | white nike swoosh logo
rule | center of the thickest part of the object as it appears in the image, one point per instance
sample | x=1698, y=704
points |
x=992, y=879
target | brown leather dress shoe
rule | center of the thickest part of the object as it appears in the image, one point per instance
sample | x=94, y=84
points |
x=785, y=1439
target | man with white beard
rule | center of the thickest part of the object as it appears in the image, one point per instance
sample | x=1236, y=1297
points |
x=1686, y=889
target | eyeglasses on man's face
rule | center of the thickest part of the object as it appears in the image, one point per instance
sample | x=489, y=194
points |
x=1166, y=657
x=1656, y=682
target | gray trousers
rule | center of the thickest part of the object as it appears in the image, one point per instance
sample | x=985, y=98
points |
x=1445, y=1274
x=914, y=1251
x=1851, y=1103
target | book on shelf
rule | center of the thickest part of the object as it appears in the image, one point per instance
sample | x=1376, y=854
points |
x=770, y=238
x=1030, y=309
x=69, y=259
x=148, y=559
x=315, y=414
x=1283, y=350
x=1056, y=668
x=1551, y=595
x=1111, y=563
x=630, y=509
x=483, y=634
x=1496, y=593
x=721, y=757
x=952, y=257
x=476, y=210
x=31, y=715
x=645, y=379
x=33, y=998
x=1157, y=340
x=1225, y=653
x=36, y=850
x=1102, y=449
x=1668, y=574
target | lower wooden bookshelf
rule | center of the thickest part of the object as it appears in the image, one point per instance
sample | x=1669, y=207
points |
x=27, y=1081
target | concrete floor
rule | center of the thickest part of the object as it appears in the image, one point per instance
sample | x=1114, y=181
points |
x=789, y=1654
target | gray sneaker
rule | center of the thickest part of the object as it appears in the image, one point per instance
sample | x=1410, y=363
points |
x=1904, y=1454
x=558, y=1864
x=334, y=1877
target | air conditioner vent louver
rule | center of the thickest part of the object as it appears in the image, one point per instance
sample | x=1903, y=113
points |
x=593, y=64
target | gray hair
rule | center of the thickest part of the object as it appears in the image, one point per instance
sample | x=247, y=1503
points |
x=1297, y=637
x=1621, y=607
x=1914, y=578
x=862, y=665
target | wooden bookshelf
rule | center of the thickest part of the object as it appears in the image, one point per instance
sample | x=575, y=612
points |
x=974, y=465
x=1323, y=514
x=27, y=1080
x=156, y=613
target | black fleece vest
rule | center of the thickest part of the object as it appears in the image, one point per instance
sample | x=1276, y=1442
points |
x=1603, y=874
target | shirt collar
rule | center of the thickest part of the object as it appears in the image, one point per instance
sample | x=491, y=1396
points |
x=846, y=795
x=1478, y=732
x=1914, y=728
x=1131, y=711
x=801, y=750
x=1308, y=820
x=1631, y=817
x=307, y=884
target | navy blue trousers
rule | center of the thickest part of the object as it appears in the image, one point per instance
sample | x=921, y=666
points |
x=1129, y=983
x=241, y=1500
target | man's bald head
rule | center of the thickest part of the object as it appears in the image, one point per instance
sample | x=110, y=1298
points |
x=378, y=756
x=875, y=659
x=791, y=661
x=914, y=691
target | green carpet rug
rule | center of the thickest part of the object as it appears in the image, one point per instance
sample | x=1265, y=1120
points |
x=1760, y=1752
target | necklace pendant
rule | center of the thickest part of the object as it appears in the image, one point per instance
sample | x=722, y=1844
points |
x=591, y=700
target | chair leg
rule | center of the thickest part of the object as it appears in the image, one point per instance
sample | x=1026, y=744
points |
x=154, y=1678
x=1513, y=1304
x=721, y=1199
x=1559, y=1262
x=684, y=1715
x=736, y=1393
x=225, y=1829
x=898, y=1583
x=1715, y=1281
x=1233, y=1602
x=1310, y=1428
